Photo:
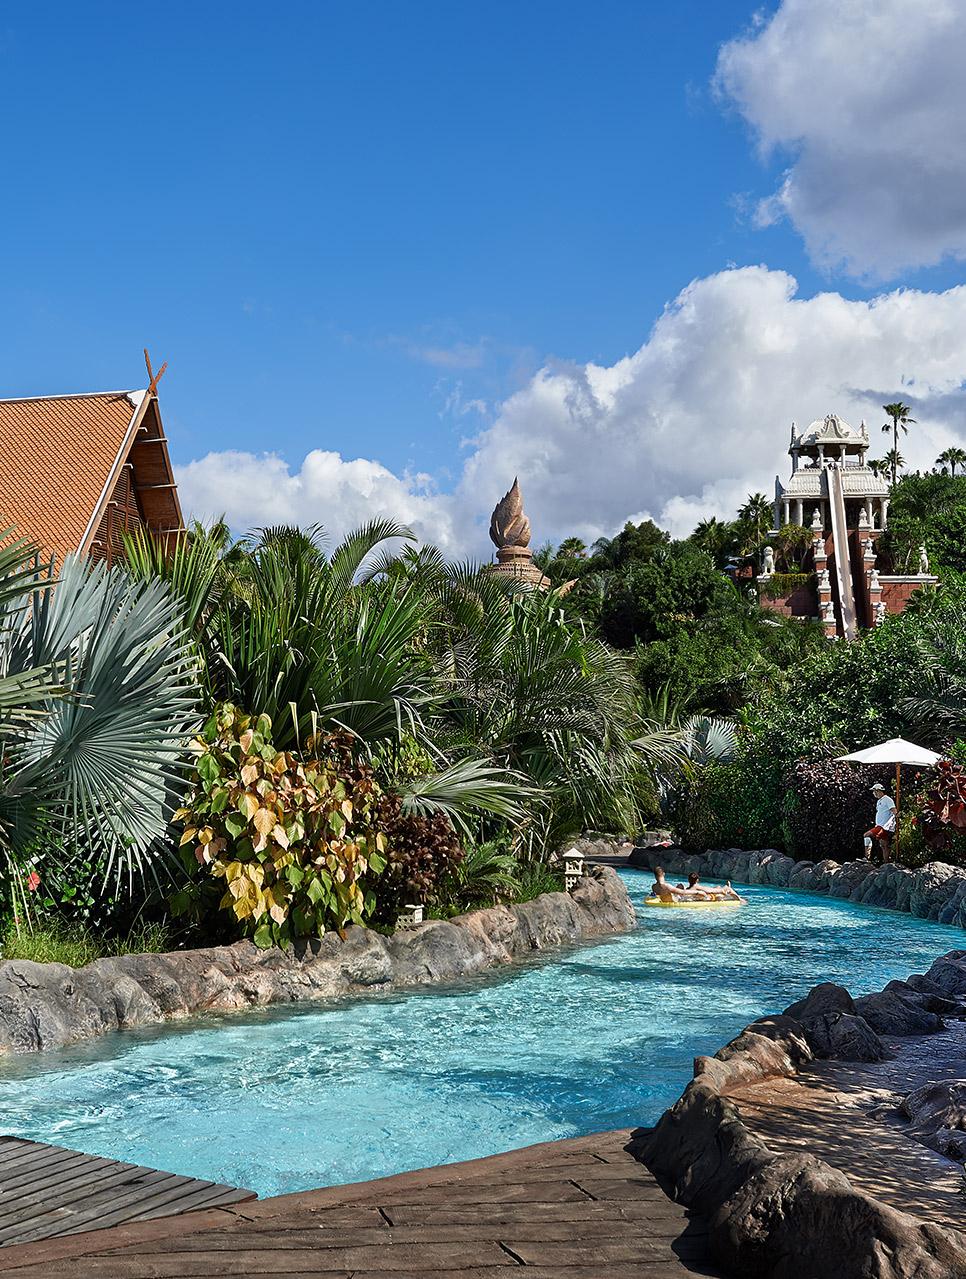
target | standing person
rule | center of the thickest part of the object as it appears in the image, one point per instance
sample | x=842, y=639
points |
x=885, y=823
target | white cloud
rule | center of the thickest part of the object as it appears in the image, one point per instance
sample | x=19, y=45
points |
x=868, y=97
x=256, y=491
x=686, y=427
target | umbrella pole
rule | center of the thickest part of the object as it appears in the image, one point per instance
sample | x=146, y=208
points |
x=898, y=784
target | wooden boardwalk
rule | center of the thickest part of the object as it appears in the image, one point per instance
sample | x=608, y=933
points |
x=46, y=1191
x=580, y=1209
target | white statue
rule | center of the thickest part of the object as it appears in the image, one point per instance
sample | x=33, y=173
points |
x=769, y=565
x=874, y=583
x=880, y=612
x=923, y=561
x=864, y=518
x=817, y=519
x=828, y=611
x=868, y=550
x=824, y=580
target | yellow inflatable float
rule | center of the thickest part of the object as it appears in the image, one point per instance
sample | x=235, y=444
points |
x=695, y=905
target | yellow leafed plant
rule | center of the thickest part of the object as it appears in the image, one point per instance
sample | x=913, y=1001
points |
x=293, y=838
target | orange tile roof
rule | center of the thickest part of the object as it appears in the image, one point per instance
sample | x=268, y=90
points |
x=56, y=455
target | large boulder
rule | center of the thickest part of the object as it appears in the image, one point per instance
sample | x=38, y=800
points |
x=890, y=1013
x=947, y=975
x=937, y=1114
x=826, y=997
x=932, y=886
x=795, y=1217
x=923, y=997
x=765, y=1048
x=844, y=1037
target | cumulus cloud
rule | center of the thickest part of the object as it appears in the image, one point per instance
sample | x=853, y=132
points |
x=685, y=427
x=257, y=491
x=868, y=99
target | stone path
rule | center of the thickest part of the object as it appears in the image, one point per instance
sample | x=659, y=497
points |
x=844, y=1112
x=580, y=1209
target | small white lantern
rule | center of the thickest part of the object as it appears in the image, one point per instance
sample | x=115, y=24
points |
x=412, y=913
x=573, y=860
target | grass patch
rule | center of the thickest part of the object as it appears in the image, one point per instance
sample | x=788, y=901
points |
x=538, y=879
x=75, y=945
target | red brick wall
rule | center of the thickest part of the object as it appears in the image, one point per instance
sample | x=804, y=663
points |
x=800, y=603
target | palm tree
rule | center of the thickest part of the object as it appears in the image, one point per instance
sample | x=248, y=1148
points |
x=952, y=457
x=715, y=537
x=572, y=548
x=898, y=417
x=96, y=700
x=878, y=465
x=758, y=513
x=896, y=462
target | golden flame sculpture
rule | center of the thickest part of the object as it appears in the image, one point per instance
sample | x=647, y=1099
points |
x=510, y=534
x=509, y=526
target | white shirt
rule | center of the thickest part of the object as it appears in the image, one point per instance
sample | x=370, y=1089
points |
x=885, y=812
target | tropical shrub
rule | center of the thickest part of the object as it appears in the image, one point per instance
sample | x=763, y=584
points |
x=725, y=805
x=827, y=807
x=423, y=854
x=488, y=873
x=292, y=838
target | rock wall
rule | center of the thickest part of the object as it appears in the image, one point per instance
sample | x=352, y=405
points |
x=51, y=1005
x=935, y=891
x=795, y=1216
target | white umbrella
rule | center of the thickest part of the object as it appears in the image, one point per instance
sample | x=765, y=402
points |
x=895, y=751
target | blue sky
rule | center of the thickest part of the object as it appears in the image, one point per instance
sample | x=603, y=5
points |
x=361, y=228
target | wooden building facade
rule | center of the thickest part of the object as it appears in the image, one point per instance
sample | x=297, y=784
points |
x=77, y=471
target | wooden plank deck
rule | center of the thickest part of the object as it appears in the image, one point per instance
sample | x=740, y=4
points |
x=580, y=1209
x=47, y=1191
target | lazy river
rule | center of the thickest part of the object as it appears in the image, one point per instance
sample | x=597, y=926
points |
x=576, y=1041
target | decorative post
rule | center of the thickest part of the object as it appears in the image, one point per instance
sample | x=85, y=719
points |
x=573, y=868
x=828, y=619
x=410, y=914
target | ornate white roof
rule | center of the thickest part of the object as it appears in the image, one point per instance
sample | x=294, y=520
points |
x=857, y=481
x=831, y=430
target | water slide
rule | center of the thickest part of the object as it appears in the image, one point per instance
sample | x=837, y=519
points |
x=840, y=550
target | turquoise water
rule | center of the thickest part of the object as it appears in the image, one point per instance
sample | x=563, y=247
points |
x=579, y=1041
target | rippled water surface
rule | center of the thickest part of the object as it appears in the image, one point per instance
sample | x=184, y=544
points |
x=579, y=1041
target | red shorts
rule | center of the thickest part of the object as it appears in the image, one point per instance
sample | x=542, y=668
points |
x=877, y=832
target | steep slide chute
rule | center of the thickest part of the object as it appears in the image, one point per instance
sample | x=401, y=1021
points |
x=840, y=550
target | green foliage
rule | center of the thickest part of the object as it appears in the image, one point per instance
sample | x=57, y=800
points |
x=537, y=878
x=96, y=697
x=790, y=545
x=780, y=585
x=652, y=599
x=899, y=419
x=727, y=805
x=930, y=511
x=905, y=678
x=488, y=873
x=294, y=838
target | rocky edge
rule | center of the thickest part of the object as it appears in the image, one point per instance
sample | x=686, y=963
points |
x=51, y=1005
x=794, y=1216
